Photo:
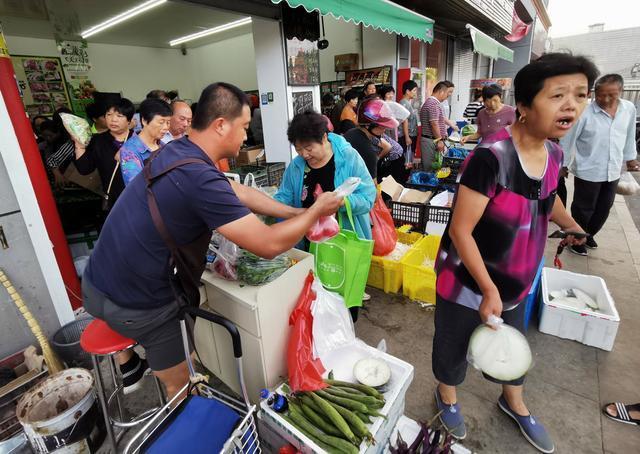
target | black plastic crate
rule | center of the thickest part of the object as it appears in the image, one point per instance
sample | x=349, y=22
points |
x=409, y=213
x=454, y=164
x=259, y=173
x=440, y=215
x=275, y=171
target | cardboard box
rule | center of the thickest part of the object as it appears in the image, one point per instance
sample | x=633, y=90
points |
x=250, y=155
x=399, y=193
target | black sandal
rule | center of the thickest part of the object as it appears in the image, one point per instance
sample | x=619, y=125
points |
x=623, y=411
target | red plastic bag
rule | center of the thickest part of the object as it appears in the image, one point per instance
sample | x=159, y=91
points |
x=305, y=373
x=383, y=231
x=325, y=227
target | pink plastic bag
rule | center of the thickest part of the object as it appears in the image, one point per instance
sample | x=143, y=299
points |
x=325, y=227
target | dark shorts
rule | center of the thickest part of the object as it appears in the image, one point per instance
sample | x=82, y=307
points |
x=155, y=329
x=454, y=325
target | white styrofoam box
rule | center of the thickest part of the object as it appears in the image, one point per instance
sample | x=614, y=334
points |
x=409, y=430
x=597, y=329
x=401, y=377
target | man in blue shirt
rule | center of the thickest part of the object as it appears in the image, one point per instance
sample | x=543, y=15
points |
x=128, y=282
x=600, y=143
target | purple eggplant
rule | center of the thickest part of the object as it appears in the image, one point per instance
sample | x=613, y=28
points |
x=413, y=449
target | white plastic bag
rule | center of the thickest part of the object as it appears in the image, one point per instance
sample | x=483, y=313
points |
x=225, y=263
x=77, y=127
x=400, y=112
x=502, y=352
x=627, y=184
x=332, y=324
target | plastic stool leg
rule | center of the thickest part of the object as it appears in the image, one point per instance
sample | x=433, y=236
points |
x=116, y=384
x=103, y=403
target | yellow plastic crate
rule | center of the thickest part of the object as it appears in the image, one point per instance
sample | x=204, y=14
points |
x=386, y=274
x=419, y=281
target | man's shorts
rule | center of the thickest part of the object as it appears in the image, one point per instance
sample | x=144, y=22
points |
x=156, y=329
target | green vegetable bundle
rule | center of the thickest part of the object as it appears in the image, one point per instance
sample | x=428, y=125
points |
x=254, y=270
x=336, y=418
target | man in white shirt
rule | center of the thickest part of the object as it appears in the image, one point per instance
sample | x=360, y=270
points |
x=179, y=123
x=600, y=144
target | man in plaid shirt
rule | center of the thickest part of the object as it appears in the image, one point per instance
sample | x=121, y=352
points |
x=434, y=126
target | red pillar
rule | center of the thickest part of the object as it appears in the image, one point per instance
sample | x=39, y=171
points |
x=38, y=175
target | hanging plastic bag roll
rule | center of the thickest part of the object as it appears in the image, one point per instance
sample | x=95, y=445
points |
x=327, y=227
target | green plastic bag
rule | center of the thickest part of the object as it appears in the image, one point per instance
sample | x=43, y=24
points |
x=342, y=263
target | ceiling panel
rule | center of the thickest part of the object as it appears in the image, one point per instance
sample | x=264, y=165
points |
x=153, y=28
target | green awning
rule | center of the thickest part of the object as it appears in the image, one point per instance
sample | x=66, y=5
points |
x=486, y=45
x=382, y=14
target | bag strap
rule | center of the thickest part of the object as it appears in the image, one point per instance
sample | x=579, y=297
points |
x=347, y=206
x=113, y=175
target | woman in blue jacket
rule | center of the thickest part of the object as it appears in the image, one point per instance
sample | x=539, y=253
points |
x=326, y=160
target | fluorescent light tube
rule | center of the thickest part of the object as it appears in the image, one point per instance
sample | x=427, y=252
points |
x=210, y=31
x=141, y=8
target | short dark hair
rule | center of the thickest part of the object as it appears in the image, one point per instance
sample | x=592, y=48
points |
x=477, y=94
x=327, y=99
x=346, y=125
x=218, y=100
x=443, y=85
x=351, y=94
x=156, y=94
x=489, y=91
x=49, y=125
x=366, y=84
x=609, y=79
x=530, y=79
x=308, y=126
x=151, y=107
x=384, y=89
x=408, y=85
x=172, y=95
x=123, y=106
x=95, y=110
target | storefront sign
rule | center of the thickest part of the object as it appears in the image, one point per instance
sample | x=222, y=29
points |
x=504, y=83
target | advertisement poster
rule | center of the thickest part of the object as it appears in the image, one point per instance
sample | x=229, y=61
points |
x=303, y=62
x=302, y=101
x=76, y=66
x=41, y=83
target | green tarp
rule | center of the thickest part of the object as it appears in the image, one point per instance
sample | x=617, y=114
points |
x=382, y=14
x=485, y=45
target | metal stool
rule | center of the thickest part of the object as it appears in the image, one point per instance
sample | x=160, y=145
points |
x=100, y=340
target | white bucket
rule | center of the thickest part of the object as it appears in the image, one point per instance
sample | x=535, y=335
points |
x=59, y=414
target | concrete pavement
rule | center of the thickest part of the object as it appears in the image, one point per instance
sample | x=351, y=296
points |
x=569, y=381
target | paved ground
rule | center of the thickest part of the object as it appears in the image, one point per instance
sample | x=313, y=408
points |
x=569, y=381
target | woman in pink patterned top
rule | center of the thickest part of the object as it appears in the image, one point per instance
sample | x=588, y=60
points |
x=494, y=116
x=491, y=250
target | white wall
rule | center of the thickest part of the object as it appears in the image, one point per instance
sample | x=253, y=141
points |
x=232, y=60
x=344, y=38
x=135, y=70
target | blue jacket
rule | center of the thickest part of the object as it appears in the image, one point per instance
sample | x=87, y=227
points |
x=348, y=164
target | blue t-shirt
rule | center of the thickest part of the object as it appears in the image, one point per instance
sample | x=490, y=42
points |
x=130, y=263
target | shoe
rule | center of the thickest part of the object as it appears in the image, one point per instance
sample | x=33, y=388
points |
x=366, y=297
x=451, y=418
x=132, y=373
x=591, y=243
x=578, y=249
x=531, y=428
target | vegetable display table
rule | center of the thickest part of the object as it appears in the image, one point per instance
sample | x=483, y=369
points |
x=262, y=316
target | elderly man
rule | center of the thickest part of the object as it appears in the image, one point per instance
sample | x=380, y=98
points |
x=434, y=125
x=179, y=123
x=602, y=140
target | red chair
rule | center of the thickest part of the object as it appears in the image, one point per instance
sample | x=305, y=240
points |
x=101, y=341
